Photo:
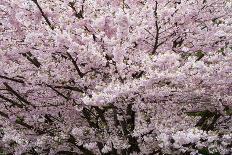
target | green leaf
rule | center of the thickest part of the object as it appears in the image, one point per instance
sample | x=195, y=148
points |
x=200, y=113
x=204, y=151
x=200, y=54
x=19, y=119
x=222, y=51
x=228, y=112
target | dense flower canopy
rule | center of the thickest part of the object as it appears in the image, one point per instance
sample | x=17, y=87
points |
x=115, y=77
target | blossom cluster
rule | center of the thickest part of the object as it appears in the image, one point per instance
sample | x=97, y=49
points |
x=115, y=77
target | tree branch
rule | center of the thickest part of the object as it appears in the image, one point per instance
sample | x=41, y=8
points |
x=10, y=89
x=43, y=14
x=59, y=93
x=156, y=44
x=69, y=88
x=11, y=79
x=75, y=65
x=79, y=14
x=72, y=140
x=34, y=61
x=11, y=101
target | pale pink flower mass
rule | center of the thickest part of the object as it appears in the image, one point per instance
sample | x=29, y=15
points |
x=115, y=77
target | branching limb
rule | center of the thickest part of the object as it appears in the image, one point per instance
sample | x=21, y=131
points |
x=33, y=60
x=43, y=14
x=11, y=101
x=156, y=44
x=72, y=140
x=10, y=89
x=75, y=65
x=79, y=14
x=11, y=79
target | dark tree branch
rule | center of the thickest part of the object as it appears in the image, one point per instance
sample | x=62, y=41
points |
x=72, y=140
x=100, y=113
x=26, y=125
x=69, y=88
x=131, y=121
x=18, y=121
x=156, y=44
x=138, y=74
x=109, y=58
x=4, y=114
x=177, y=42
x=94, y=36
x=87, y=115
x=11, y=101
x=43, y=14
x=34, y=61
x=21, y=122
x=127, y=127
x=11, y=79
x=79, y=14
x=10, y=89
x=75, y=65
x=59, y=93
x=66, y=153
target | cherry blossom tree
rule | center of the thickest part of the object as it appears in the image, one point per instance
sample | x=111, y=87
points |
x=115, y=77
